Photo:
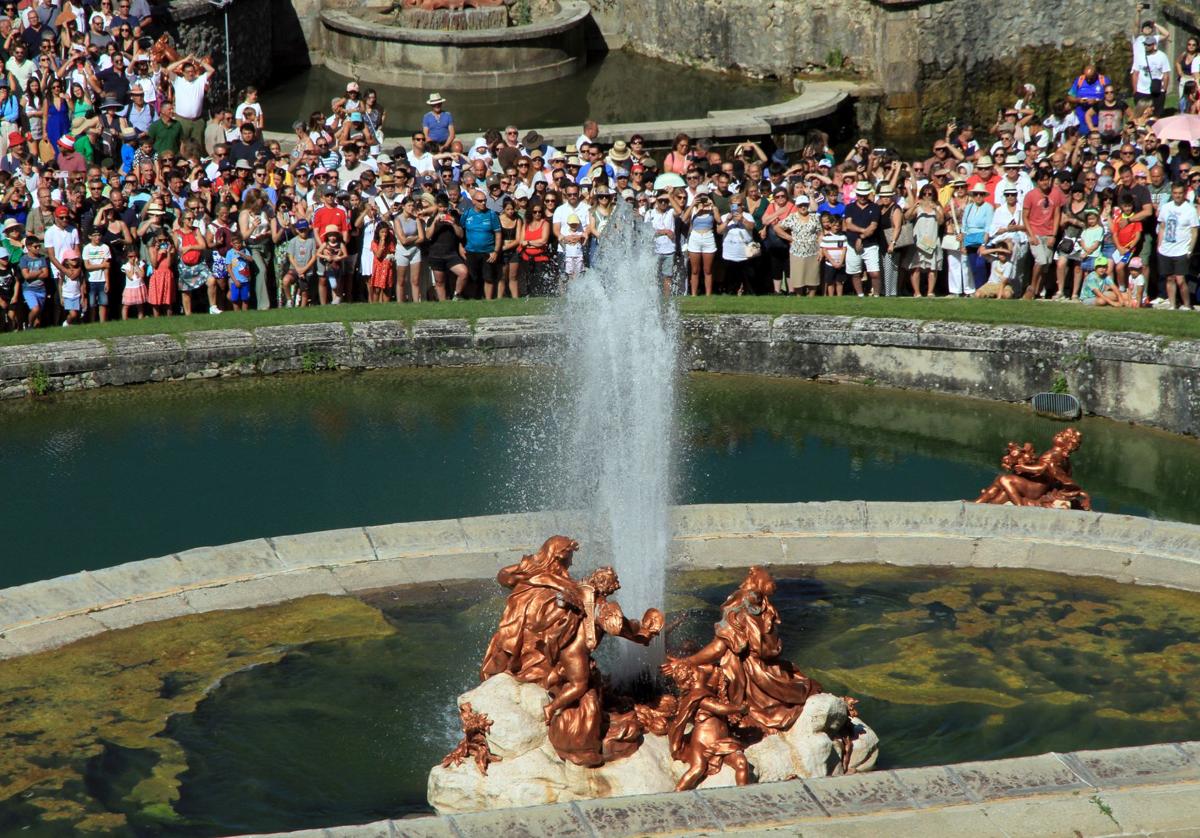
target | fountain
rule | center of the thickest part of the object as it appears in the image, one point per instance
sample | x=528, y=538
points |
x=620, y=371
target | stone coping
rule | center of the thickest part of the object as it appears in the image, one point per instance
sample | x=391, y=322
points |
x=1122, y=791
x=51, y=613
x=570, y=14
x=1126, y=376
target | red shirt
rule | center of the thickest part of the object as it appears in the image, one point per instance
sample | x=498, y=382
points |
x=1040, y=210
x=327, y=216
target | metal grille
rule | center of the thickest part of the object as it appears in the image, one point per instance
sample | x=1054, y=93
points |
x=1057, y=405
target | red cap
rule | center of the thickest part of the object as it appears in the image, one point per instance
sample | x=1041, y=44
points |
x=16, y=138
x=61, y=212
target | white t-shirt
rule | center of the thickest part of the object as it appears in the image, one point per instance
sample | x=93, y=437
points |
x=135, y=273
x=247, y=112
x=189, y=96
x=1177, y=220
x=58, y=241
x=733, y=243
x=564, y=211
x=423, y=163
x=665, y=220
x=1024, y=187
x=1151, y=66
x=96, y=253
x=1001, y=271
x=1139, y=48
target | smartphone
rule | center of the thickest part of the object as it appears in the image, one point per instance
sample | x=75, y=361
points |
x=879, y=152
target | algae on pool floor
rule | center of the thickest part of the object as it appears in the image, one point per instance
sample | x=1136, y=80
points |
x=64, y=714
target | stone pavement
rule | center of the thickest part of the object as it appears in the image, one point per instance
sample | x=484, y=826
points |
x=1152, y=790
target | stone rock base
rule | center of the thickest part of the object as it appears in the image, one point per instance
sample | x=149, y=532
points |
x=530, y=773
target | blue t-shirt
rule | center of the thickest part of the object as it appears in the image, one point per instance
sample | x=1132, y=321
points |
x=837, y=210
x=437, y=129
x=239, y=266
x=1083, y=89
x=480, y=227
x=29, y=264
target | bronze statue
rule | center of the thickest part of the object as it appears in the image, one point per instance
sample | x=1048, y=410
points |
x=699, y=733
x=550, y=626
x=474, y=744
x=1039, y=481
x=745, y=652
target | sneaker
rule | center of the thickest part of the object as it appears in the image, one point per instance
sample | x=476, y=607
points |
x=1161, y=302
x=862, y=295
x=214, y=310
x=1187, y=308
x=337, y=301
x=455, y=298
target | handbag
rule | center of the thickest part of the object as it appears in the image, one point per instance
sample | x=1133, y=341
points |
x=1067, y=246
x=951, y=241
x=1156, y=85
x=905, y=237
x=753, y=250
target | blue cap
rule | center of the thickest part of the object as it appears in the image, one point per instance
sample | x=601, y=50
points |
x=302, y=224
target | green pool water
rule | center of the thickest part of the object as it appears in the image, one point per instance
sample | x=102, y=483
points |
x=97, y=479
x=601, y=91
x=228, y=723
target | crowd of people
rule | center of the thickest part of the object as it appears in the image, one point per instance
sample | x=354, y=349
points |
x=127, y=192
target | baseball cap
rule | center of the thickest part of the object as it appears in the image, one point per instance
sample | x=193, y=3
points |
x=1135, y=263
x=1101, y=261
x=302, y=224
x=61, y=212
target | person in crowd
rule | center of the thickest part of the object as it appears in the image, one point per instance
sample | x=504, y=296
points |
x=802, y=230
x=1177, y=228
x=1001, y=271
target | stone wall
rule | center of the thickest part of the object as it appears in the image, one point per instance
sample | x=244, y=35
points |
x=933, y=59
x=1130, y=377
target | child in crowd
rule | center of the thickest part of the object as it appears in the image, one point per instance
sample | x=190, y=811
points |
x=70, y=287
x=133, y=298
x=1089, y=246
x=249, y=110
x=330, y=256
x=35, y=272
x=1000, y=277
x=301, y=273
x=572, y=242
x=162, y=280
x=1127, y=235
x=96, y=260
x=1136, y=289
x=238, y=263
x=833, y=255
x=1098, y=287
x=383, y=270
x=10, y=289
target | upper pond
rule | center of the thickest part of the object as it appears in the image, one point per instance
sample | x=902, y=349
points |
x=122, y=474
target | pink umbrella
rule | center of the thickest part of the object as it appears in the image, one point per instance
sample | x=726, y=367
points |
x=1184, y=127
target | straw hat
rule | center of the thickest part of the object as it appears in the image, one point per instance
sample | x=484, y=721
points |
x=434, y=99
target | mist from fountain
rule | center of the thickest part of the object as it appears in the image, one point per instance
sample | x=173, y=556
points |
x=618, y=374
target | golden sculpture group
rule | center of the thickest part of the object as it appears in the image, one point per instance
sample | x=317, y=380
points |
x=728, y=695
x=1031, y=480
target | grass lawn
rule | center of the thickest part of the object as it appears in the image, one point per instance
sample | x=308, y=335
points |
x=1169, y=324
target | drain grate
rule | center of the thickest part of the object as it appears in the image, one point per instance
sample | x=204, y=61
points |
x=1057, y=405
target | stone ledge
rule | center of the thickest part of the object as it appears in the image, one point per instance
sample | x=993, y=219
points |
x=571, y=14
x=1128, y=377
x=262, y=571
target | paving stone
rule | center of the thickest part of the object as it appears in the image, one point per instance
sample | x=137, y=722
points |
x=650, y=814
x=560, y=821
x=378, y=829
x=227, y=561
x=143, y=611
x=249, y=593
x=953, y=822
x=308, y=582
x=706, y=518
x=768, y=804
x=323, y=548
x=1165, y=570
x=732, y=551
x=38, y=637
x=902, y=517
x=1015, y=777
x=1154, y=809
x=859, y=793
x=1081, y=560
x=458, y=566
x=1064, y=815
x=933, y=786
x=148, y=576
x=920, y=551
x=421, y=538
x=9, y=650
x=829, y=549
x=365, y=576
x=423, y=828
x=524, y=533
x=1118, y=767
x=50, y=597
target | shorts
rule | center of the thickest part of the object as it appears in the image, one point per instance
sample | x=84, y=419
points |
x=666, y=265
x=1090, y=301
x=192, y=277
x=994, y=290
x=406, y=256
x=1173, y=265
x=1042, y=248
x=1088, y=263
x=701, y=242
x=869, y=258
x=573, y=264
x=34, y=297
x=97, y=296
x=239, y=293
x=71, y=303
x=305, y=282
x=444, y=263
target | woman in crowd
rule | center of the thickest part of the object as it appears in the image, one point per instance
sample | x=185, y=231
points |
x=925, y=257
x=410, y=235
x=802, y=230
x=775, y=248
x=511, y=234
